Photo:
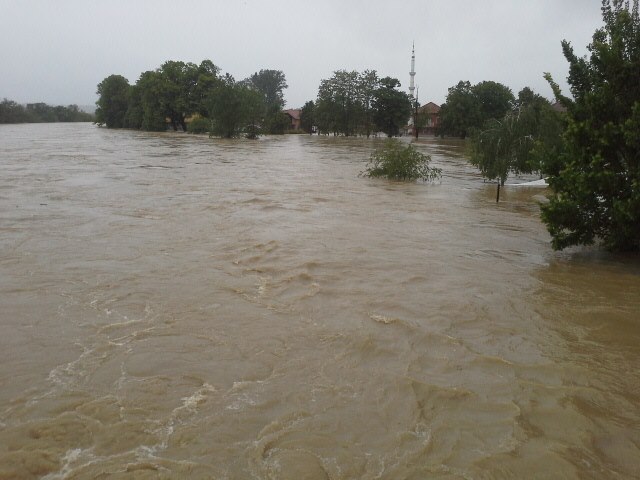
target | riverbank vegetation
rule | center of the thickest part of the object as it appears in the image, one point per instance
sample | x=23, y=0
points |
x=13, y=112
x=178, y=93
x=588, y=146
x=596, y=188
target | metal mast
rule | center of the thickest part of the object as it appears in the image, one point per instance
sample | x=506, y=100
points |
x=412, y=73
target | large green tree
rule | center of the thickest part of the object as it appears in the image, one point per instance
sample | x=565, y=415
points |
x=460, y=112
x=307, y=116
x=271, y=84
x=521, y=141
x=153, y=101
x=368, y=83
x=234, y=108
x=339, y=107
x=391, y=107
x=112, y=103
x=597, y=189
x=494, y=99
x=468, y=107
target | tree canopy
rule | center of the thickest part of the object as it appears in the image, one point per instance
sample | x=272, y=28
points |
x=391, y=107
x=235, y=109
x=352, y=103
x=468, y=107
x=271, y=84
x=597, y=184
x=307, y=116
x=524, y=140
x=113, y=101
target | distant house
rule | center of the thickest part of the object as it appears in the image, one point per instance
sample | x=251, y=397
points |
x=430, y=124
x=294, y=118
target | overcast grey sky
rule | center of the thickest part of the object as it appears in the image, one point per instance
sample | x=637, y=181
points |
x=58, y=51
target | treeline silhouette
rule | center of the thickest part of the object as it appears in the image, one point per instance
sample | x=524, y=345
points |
x=13, y=112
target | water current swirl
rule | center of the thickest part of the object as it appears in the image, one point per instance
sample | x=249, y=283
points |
x=174, y=306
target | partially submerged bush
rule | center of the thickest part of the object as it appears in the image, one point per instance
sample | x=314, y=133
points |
x=397, y=161
x=199, y=125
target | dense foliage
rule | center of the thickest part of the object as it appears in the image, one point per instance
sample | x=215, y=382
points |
x=391, y=107
x=597, y=183
x=352, y=103
x=200, y=125
x=525, y=140
x=178, y=92
x=468, y=107
x=235, y=108
x=12, y=112
x=113, y=101
x=399, y=161
x=307, y=116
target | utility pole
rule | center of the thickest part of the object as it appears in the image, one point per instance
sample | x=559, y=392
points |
x=416, y=105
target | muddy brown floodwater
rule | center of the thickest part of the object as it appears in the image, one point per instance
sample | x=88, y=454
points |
x=175, y=306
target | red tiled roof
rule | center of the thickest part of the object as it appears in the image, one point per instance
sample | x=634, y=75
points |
x=430, y=108
x=293, y=113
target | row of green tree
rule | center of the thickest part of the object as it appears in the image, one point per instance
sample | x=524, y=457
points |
x=590, y=150
x=178, y=91
x=13, y=112
x=354, y=103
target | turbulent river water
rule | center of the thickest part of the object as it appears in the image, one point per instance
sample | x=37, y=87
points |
x=174, y=306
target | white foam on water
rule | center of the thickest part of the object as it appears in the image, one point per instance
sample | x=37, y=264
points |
x=536, y=183
x=72, y=460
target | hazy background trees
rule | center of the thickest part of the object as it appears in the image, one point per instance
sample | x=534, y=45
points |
x=13, y=112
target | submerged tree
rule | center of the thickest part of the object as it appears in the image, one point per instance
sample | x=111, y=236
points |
x=597, y=189
x=307, y=116
x=398, y=161
x=167, y=95
x=391, y=107
x=235, y=109
x=368, y=83
x=113, y=101
x=522, y=141
x=271, y=84
x=338, y=107
x=352, y=103
x=468, y=107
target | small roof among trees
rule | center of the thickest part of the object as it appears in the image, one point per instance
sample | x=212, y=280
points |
x=293, y=113
x=430, y=108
